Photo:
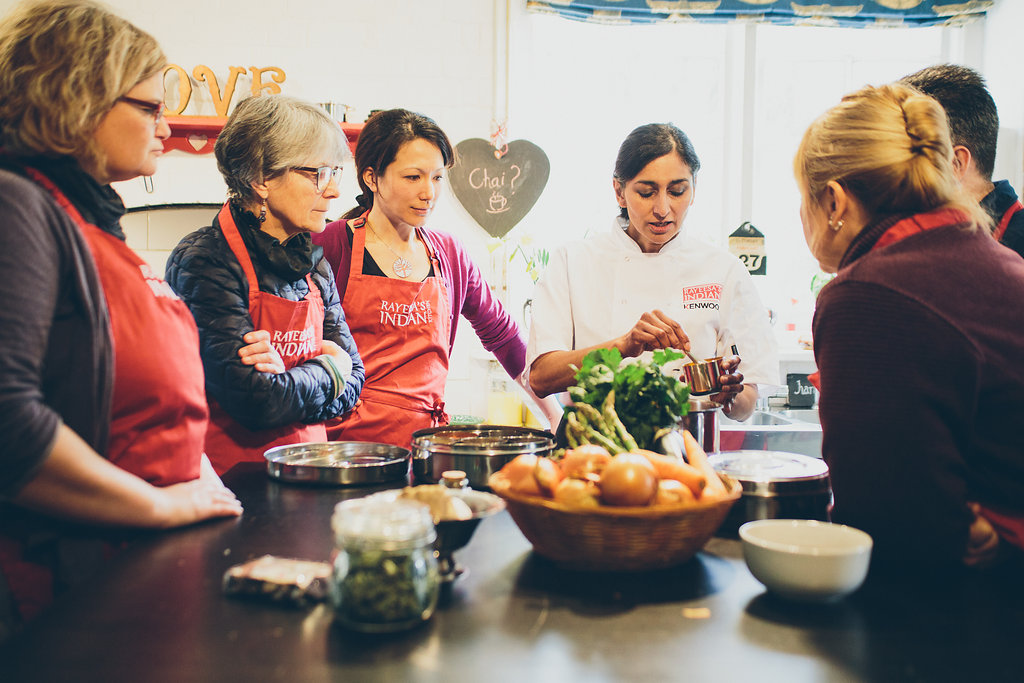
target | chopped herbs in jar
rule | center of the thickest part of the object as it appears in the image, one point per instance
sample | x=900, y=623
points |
x=385, y=572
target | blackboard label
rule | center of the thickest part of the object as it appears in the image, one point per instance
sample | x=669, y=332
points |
x=498, y=188
x=801, y=391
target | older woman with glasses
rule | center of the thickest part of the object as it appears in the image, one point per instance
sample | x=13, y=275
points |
x=102, y=411
x=278, y=354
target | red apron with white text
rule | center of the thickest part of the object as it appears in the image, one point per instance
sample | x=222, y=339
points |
x=158, y=409
x=227, y=442
x=401, y=330
x=159, y=415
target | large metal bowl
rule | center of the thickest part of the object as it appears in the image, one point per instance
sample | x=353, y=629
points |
x=776, y=485
x=338, y=463
x=477, y=450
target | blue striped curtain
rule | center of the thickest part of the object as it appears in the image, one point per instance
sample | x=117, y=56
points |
x=847, y=13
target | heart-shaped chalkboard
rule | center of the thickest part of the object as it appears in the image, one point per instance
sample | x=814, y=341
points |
x=499, y=189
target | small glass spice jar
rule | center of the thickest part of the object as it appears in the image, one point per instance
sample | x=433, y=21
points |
x=454, y=479
x=385, y=574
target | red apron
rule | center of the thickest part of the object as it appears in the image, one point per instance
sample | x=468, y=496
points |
x=159, y=413
x=297, y=330
x=1010, y=527
x=401, y=330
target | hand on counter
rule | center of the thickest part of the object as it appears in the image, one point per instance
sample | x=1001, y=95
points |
x=982, y=540
x=197, y=500
x=76, y=483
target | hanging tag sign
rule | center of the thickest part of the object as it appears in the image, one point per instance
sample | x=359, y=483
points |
x=747, y=243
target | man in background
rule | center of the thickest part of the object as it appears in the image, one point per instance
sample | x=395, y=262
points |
x=974, y=128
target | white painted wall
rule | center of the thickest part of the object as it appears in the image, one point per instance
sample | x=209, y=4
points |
x=433, y=56
x=995, y=42
x=575, y=90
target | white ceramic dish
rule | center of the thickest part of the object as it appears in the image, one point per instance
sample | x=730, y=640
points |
x=806, y=559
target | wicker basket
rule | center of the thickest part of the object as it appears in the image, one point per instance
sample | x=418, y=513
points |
x=611, y=538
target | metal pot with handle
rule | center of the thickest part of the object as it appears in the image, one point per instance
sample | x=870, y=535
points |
x=702, y=421
x=477, y=450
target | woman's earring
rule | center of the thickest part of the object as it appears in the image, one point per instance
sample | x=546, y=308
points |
x=263, y=212
x=839, y=225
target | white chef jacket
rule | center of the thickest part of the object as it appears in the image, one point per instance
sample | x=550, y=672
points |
x=596, y=289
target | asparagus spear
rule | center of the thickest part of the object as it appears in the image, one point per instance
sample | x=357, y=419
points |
x=612, y=418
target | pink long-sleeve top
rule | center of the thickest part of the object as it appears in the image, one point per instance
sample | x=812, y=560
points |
x=470, y=294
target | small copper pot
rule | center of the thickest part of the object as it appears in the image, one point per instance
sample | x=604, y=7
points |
x=704, y=377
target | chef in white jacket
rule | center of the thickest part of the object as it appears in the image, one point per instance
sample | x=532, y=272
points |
x=644, y=285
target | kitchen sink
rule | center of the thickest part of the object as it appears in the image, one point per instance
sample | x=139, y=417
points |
x=799, y=414
x=760, y=418
x=784, y=416
x=790, y=430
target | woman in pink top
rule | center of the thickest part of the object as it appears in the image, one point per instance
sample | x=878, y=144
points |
x=403, y=287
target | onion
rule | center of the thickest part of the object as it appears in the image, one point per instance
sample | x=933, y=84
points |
x=548, y=476
x=584, y=461
x=577, y=493
x=673, y=492
x=519, y=472
x=629, y=479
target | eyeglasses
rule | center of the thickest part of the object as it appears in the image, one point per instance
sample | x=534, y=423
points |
x=154, y=109
x=324, y=175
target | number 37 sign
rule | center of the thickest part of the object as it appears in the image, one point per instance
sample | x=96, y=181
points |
x=747, y=243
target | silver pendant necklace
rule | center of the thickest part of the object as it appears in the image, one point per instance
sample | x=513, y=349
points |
x=401, y=265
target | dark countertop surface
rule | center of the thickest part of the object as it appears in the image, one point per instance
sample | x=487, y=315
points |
x=160, y=615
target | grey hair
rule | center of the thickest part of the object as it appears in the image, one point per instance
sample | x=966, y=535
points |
x=269, y=134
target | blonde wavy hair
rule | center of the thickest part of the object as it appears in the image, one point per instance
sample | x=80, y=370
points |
x=63, y=64
x=889, y=146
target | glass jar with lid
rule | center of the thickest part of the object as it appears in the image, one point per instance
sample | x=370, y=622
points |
x=454, y=479
x=385, y=574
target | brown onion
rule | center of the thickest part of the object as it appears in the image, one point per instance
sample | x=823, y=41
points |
x=629, y=479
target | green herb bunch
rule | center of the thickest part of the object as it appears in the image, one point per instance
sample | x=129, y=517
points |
x=636, y=398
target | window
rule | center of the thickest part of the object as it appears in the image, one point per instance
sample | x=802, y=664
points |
x=743, y=93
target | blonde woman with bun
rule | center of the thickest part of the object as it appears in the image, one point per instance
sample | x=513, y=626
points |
x=918, y=339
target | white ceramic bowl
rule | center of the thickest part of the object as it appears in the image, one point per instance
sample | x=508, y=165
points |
x=805, y=559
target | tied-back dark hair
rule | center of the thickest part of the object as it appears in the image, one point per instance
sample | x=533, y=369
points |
x=379, y=141
x=647, y=143
x=972, y=114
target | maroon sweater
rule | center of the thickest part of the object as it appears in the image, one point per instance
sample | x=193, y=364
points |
x=920, y=348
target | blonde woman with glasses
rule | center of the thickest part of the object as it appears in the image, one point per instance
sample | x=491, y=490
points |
x=278, y=354
x=102, y=411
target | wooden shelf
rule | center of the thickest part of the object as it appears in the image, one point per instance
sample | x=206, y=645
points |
x=196, y=134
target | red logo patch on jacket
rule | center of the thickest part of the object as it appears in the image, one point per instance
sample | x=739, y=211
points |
x=702, y=296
